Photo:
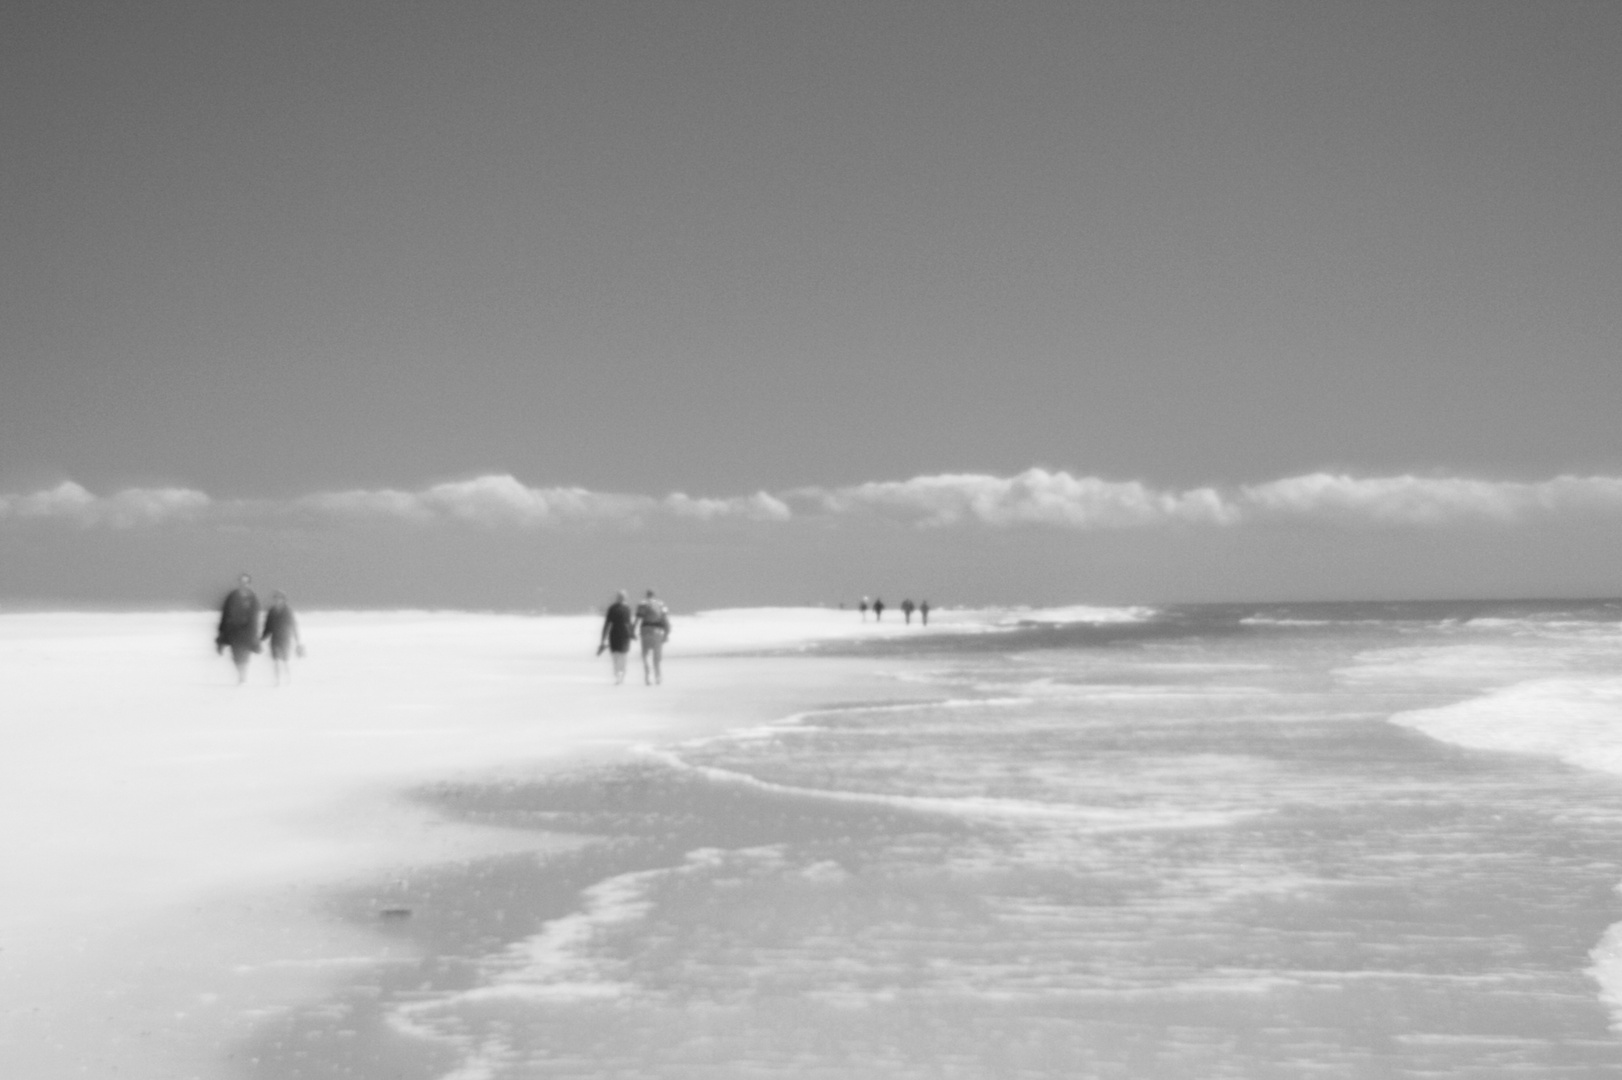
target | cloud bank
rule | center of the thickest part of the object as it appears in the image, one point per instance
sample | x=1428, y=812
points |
x=127, y=509
x=1412, y=500
x=496, y=501
x=1034, y=498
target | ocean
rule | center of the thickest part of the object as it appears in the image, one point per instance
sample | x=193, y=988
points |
x=1249, y=841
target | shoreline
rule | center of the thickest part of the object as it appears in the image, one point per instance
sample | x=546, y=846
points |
x=479, y=931
x=443, y=918
x=255, y=878
x=200, y=907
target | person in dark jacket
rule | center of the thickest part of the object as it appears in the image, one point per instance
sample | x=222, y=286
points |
x=239, y=626
x=617, y=635
x=281, y=630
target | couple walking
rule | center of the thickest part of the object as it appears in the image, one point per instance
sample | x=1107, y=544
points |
x=240, y=631
x=650, y=623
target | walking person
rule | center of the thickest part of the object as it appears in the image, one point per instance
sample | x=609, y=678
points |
x=878, y=610
x=617, y=634
x=652, y=628
x=906, y=609
x=281, y=630
x=923, y=611
x=239, y=626
x=863, y=606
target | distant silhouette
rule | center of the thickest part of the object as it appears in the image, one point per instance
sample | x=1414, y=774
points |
x=906, y=609
x=923, y=611
x=863, y=606
x=281, y=630
x=653, y=627
x=617, y=634
x=878, y=610
x=239, y=626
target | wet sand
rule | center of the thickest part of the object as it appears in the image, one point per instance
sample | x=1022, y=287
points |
x=1453, y=963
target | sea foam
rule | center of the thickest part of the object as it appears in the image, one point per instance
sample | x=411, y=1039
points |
x=1077, y=613
x=1576, y=720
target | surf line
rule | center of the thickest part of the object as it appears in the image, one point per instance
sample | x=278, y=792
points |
x=799, y=721
x=1096, y=819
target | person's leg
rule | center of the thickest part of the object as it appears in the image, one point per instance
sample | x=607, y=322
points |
x=647, y=647
x=658, y=660
x=239, y=657
x=619, y=667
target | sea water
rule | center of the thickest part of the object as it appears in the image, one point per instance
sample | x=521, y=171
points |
x=1337, y=840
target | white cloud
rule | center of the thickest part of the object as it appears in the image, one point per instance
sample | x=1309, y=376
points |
x=503, y=500
x=1059, y=499
x=1036, y=497
x=1414, y=500
x=381, y=503
x=484, y=500
x=760, y=506
x=128, y=508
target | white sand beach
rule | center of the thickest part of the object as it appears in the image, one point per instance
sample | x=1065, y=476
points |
x=169, y=836
x=1362, y=839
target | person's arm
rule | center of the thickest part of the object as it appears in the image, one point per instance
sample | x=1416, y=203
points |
x=602, y=642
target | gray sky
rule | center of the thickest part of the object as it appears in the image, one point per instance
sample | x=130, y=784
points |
x=270, y=252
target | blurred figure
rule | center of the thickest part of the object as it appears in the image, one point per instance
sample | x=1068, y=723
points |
x=923, y=611
x=863, y=606
x=281, y=629
x=239, y=626
x=906, y=609
x=878, y=610
x=617, y=634
x=652, y=627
